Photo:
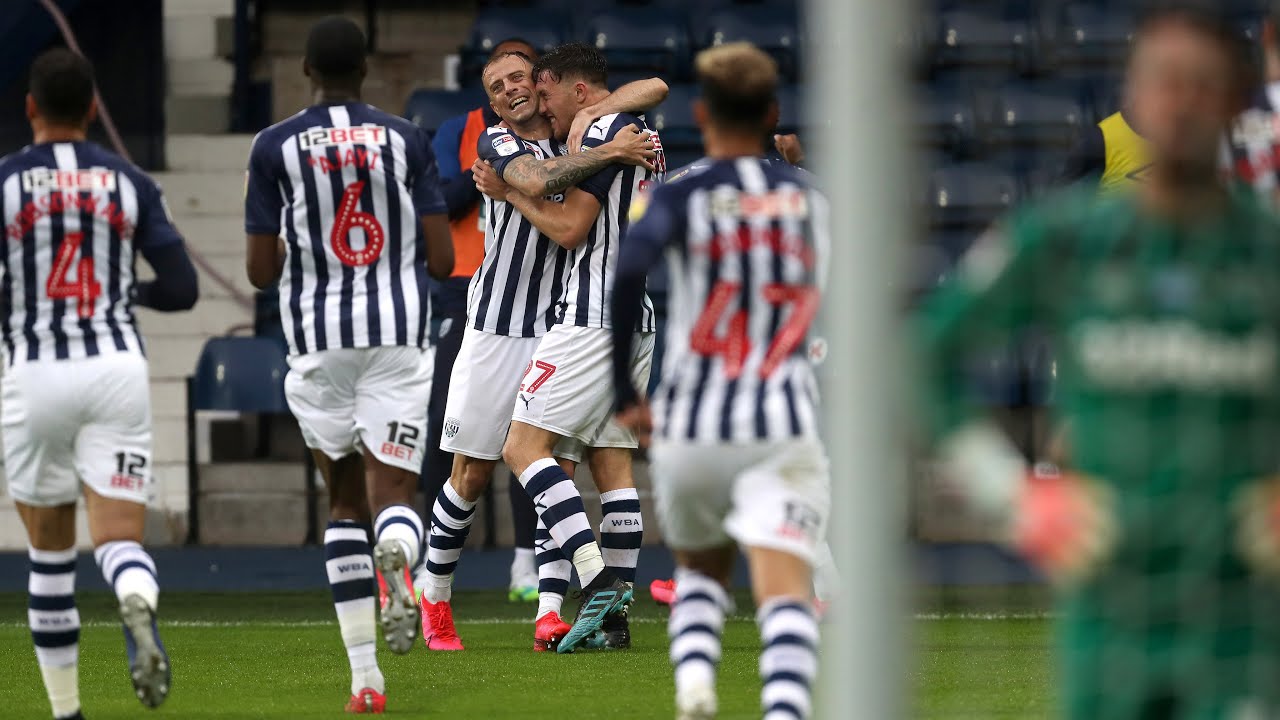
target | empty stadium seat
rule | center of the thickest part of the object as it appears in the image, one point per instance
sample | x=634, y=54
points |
x=982, y=44
x=1103, y=94
x=673, y=119
x=544, y=29
x=428, y=108
x=772, y=28
x=1083, y=39
x=790, y=109
x=1022, y=117
x=639, y=38
x=946, y=119
x=969, y=195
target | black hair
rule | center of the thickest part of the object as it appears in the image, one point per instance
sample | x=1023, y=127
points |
x=1207, y=17
x=62, y=85
x=508, y=41
x=336, y=51
x=574, y=61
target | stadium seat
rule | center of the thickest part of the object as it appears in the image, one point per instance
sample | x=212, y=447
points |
x=543, y=28
x=969, y=195
x=1025, y=117
x=1103, y=94
x=640, y=38
x=772, y=28
x=946, y=119
x=982, y=45
x=242, y=375
x=1081, y=39
x=673, y=119
x=790, y=109
x=429, y=108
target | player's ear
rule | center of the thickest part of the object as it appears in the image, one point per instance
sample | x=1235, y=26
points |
x=306, y=68
x=580, y=91
x=32, y=111
x=92, y=115
x=771, y=116
x=700, y=112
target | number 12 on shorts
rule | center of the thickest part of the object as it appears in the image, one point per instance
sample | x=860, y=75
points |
x=131, y=471
x=402, y=440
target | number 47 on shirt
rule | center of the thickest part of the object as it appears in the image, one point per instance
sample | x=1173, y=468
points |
x=735, y=344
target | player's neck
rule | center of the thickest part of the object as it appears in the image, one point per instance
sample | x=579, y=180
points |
x=335, y=96
x=53, y=134
x=535, y=128
x=722, y=145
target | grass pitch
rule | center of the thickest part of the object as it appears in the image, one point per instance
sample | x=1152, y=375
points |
x=278, y=655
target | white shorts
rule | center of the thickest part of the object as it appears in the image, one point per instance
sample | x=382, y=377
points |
x=569, y=386
x=772, y=495
x=485, y=377
x=68, y=422
x=363, y=399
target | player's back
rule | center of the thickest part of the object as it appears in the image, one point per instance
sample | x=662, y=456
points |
x=73, y=213
x=746, y=264
x=344, y=185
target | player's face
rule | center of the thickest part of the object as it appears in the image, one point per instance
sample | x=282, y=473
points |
x=560, y=103
x=1182, y=94
x=509, y=83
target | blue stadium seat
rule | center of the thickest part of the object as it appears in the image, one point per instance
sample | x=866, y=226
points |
x=772, y=28
x=240, y=374
x=638, y=38
x=969, y=195
x=1103, y=93
x=790, y=109
x=946, y=119
x=429, y=108
x=1026, y=117
x=1082, y=39
x=544, y=29
x=982, y=45
x=673, y=119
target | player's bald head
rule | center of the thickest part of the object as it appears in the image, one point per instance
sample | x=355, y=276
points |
x=739, y=85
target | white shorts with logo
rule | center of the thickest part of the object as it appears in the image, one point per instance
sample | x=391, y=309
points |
x=485, y=377
x=363, y=400
x=68, y=422
x=569, y=386
x=773, y=495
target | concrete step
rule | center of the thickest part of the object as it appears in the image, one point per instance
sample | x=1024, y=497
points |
x=199, y=8
x=173, y=358
x=190, y=37
x=213, y=234
x=258, y=519
x=211, y=316
x=254, y=478
x=198, y=111
x=204, y=192
x=168, y=397
x=168, y=440
x=207, y=152
x=199, y=76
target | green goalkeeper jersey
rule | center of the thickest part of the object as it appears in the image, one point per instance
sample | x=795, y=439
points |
x=1168, y=379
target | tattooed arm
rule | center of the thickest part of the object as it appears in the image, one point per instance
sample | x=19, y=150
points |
x=555, y=175
x=565, y=223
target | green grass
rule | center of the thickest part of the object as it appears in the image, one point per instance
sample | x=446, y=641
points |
x=278, y=655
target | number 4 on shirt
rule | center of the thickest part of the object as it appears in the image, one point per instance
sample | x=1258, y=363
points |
x=735, y=344
x=83, y=286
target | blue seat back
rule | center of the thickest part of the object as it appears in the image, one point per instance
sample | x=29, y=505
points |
x=970, y=194
x=638, y=38
x=242, y=374
x=673, y=119
x=772, y=28
x=429, y=108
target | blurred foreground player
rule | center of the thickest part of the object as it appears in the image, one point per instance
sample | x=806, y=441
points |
x=1254, y=140
x=1165, y=308
x=736, y=455
x=343, y=209
x=77, y=410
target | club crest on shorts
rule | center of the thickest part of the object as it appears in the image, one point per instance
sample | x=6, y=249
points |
x=451, y=427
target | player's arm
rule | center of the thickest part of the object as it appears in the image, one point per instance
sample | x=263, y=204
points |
x=432, y=211
x=635, y=97
x=264, y=259
x=175, y=287
x=455, y=181
x=263, y=202
x=565, y=223
x=537, y=178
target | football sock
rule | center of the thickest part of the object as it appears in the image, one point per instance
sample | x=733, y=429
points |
x=553, y=572
x=450, y=524
x=522, y=564
x=621, y=532
x=564, y=515
x=129, y=570
x=695, y=625
x=349, y=563
x=55, y=626
x=789, y=661
x=402, y=524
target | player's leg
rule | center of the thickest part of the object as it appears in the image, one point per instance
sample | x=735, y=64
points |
x=451, y=518
x=621, y=527
x=321, y=394
x=51, y=602
x=524, y=518
x=554, y=569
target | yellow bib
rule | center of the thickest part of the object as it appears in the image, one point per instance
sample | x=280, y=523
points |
x=1128, y=157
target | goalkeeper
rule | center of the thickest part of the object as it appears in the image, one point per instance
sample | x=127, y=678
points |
x=1165, y=305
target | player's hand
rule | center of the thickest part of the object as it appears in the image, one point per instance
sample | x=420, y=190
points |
x=578, y=130
x=488, y=182
x=789, y=148
x=1258, y=532
x=637, y=419
x=632, y=146
x=1064, y=523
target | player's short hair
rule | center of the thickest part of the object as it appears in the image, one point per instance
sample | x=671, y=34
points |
x=514, y=40
x=335, y=49
x=61, y=82
x=1208, y=18
x=739, y=84
x=574, y=61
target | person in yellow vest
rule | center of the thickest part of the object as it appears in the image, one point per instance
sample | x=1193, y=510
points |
x=1111, y=153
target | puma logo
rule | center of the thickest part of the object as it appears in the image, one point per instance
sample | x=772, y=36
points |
x=526, y=400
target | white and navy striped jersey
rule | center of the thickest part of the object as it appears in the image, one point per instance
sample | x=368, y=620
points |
x=1254, y=145
x=746, y=242
x=345, y=185
x=592, y=265
x=517, y=290
x=75, y=215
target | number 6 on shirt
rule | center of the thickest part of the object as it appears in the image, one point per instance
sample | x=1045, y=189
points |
x=348, y=218
x=84, y=287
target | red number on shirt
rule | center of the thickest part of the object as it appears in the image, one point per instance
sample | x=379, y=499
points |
x=734, y=345
x=547, y=370
x=348, y=218
x=83, y=287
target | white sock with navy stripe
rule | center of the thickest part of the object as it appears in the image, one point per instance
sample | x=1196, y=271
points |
x=695, y=625
x=349, y=565
x=55, y=626
x=451, y=518
x=789, y=661
x=554, y=571
x=621, y=532
x=560, y=508
x=129, y=570
x=402, y=524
